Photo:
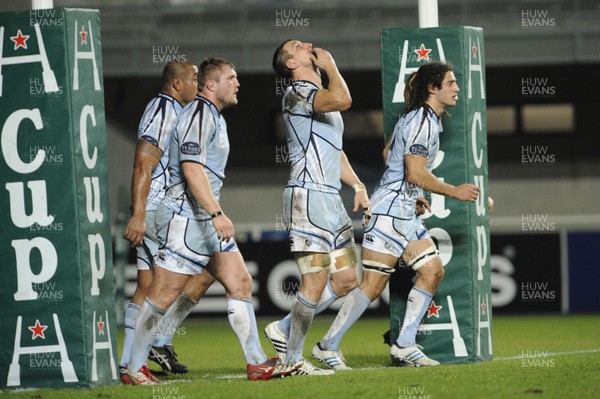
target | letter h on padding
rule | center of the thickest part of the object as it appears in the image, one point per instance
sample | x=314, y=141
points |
x=102, y=345
x=50, y=84
x=66, y=366
x=84, y=55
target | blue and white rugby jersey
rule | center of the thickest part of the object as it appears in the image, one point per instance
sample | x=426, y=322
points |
x=314, y=140
x=412, y=135
x=200, y=136
x=156, y=127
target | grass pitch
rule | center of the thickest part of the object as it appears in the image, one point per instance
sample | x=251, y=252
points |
x=535, y=357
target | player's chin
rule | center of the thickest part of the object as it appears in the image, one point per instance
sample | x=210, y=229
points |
x=452, y=102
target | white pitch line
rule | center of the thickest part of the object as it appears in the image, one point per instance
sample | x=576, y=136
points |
x=496, y=359
x=230, y=377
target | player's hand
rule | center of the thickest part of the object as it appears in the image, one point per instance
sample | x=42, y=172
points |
x=422, y=206
x=361, y=201
x=135, y=231
x=466, y=192
x=224, y=227
x=490, y=204
x=322, y=59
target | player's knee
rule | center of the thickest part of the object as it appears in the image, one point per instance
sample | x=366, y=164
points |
x=441, y=272
x=197, y=286
x=245, y=285
x=344, y=282
x=313, y=292
x=375, y=277
x=432, y=272
x=142, y=290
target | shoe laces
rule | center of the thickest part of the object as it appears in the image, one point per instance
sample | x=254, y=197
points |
x=171, y=350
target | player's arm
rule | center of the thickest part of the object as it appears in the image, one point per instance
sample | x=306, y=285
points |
x=199, y=185
x=490, y=204
x=361, y=199
x=336, y=97
x=386, y=149
x=147, y=156
x=417, y=173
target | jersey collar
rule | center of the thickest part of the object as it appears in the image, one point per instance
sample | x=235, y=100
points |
x=208, y=102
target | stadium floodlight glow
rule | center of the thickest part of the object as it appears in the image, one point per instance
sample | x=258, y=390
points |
x=428, y=14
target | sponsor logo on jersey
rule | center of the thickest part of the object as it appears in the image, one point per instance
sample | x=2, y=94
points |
x=419, y=149
x=190, y=148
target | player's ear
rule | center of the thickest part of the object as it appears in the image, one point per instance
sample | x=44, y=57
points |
x=211, y=85
x=177, y=84
x=431, y=88
x=291, y=64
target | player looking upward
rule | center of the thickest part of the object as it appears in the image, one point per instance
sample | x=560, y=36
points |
x=320, y=230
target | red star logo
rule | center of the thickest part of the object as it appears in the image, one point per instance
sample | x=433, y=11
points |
x=423, y=53
x=474, y=52
x=20, y=40
x=433, y=310
x=83, y=35
x=37, y=330
x=483, y=308
x=100, y=326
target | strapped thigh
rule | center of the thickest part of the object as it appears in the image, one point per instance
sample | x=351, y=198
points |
x=425, y=256
x=343, y=259
x=312, y=262
x=377, y=267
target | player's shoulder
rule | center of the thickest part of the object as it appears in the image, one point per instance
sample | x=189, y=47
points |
x=163, y=101
x=205, y=105
x=300, y=88
x=417, y=117
x=414, y=114
x=299, y=96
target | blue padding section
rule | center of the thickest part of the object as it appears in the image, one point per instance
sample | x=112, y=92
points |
x=584, y=271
